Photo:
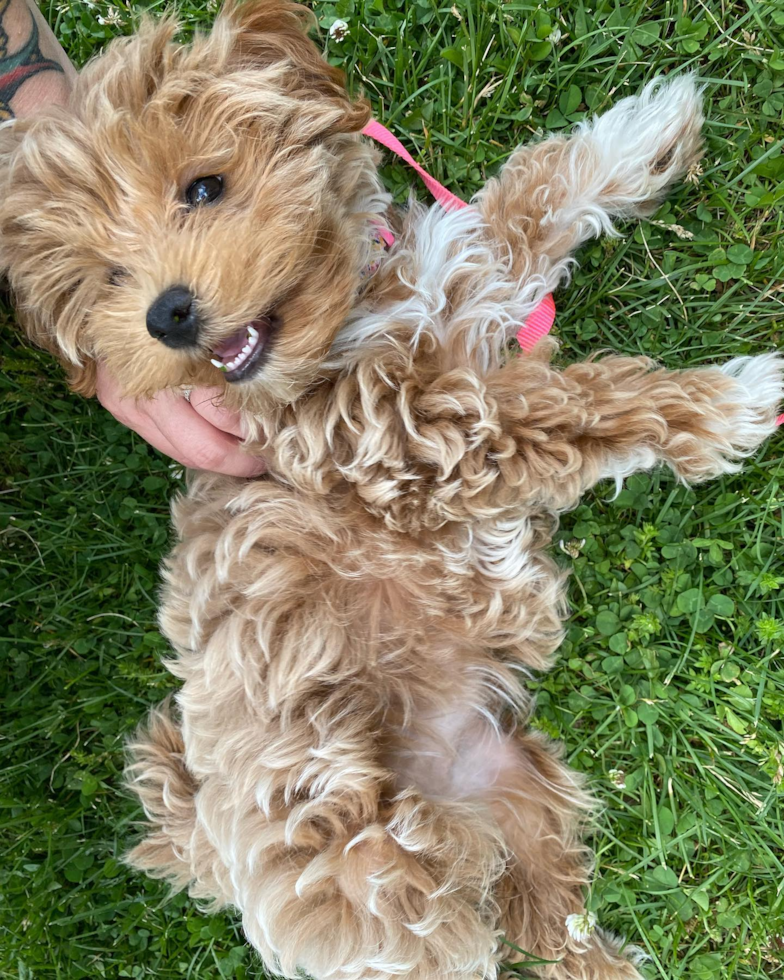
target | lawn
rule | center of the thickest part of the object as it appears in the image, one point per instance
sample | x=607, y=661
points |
x=669, y=691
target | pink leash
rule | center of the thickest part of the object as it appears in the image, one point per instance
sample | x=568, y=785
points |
x=539, y=323
x=447, y=200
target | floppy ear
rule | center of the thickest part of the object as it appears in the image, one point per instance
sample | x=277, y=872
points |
x=81, y=379
x=81, y=376
x=9, y=140
x=268, y=32
x=32, y=313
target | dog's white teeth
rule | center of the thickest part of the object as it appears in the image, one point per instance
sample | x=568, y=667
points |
x=251, y=343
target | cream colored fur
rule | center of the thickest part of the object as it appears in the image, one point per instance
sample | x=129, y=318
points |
x=347, y=760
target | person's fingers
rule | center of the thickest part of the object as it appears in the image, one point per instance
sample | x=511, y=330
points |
x=206, y=401
x=200, y=444
x=133, y=415
x=129, y=411
x=169, y=423
x=159, y=441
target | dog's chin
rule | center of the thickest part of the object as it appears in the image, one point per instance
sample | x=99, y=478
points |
x=242, y=355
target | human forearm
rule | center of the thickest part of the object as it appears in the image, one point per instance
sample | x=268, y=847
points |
x=34, y=70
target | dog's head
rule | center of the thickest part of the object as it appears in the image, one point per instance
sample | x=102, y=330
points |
x=193, y=216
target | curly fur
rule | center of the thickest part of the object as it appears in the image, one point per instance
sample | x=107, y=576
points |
x=348, y=762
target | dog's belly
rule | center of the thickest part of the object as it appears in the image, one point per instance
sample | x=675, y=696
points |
x=459, y=754
x=274, y=601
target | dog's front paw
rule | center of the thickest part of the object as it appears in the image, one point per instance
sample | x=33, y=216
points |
x=754, y=402
x=733, y=410
x=649, y=140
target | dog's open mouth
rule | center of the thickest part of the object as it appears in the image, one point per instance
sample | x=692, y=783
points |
x=242, y=354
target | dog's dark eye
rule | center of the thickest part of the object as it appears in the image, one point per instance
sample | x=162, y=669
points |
x=205, y=190
x=116, y=277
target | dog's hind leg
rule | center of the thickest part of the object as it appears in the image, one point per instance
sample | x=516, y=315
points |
x=174, y=847
x=339, y=873
x=166, y=790
x=540, y=807
x=552, y=196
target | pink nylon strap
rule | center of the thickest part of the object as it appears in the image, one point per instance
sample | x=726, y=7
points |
x=540, y=322
x=447, y=200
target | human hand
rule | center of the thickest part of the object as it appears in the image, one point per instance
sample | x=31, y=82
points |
x=197, y=433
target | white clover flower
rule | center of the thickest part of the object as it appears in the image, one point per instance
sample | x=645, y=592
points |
x=573, y=548
x=112, y=17
x=554, y=36
x=339, y=30
x=581, y=926
x=617, y=778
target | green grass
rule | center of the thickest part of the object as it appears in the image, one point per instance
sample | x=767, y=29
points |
x=671, y=678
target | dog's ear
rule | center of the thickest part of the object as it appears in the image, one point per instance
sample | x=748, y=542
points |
x=82, y=379
x=269, y=32
x=50, y=319
x=9, y=140
x=81, y=373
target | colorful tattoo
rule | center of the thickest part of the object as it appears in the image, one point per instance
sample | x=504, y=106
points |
x=16, y=68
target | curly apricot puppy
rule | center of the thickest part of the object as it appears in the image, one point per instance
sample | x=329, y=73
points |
x=347, y=764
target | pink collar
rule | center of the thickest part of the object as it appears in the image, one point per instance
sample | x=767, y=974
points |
x=539, y=323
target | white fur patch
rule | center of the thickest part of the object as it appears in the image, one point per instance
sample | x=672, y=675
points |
x=760, y=378
x=620, y=467
x=630, y=139
x=438, y=250
x=751, y=416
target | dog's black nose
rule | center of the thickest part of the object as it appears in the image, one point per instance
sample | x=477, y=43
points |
x=173, y=318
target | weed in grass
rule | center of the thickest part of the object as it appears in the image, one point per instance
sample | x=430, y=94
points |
x=669, y=690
